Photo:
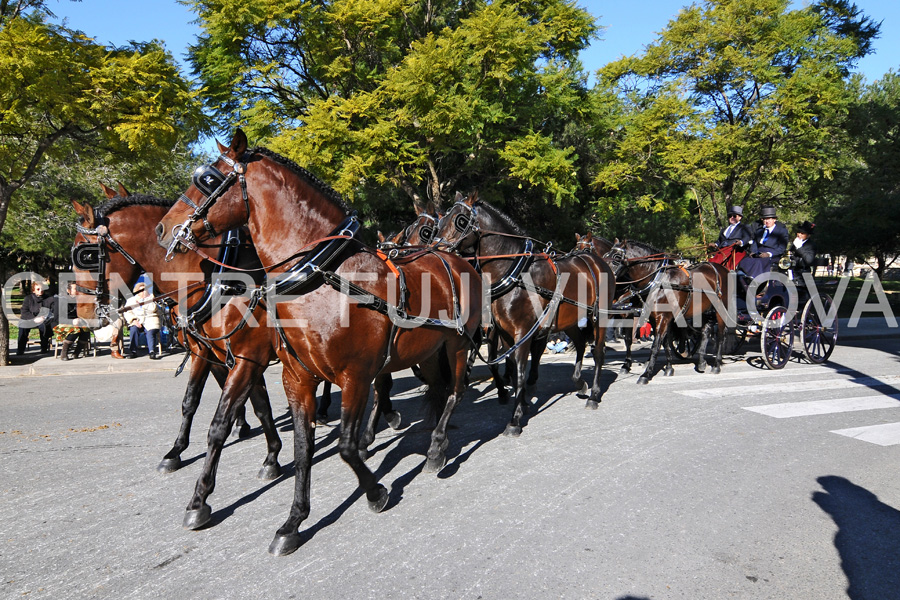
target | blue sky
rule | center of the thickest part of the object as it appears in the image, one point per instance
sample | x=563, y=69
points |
x=630, y=26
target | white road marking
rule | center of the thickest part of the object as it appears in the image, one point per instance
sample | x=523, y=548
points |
x=764, y=389
x=826, y=407
x=887, y=434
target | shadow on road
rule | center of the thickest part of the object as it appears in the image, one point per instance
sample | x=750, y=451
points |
x=868, y=538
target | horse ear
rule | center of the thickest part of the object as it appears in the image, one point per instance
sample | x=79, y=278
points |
x=380, y=237
x=458, y=197
x=430, y=208
x=577, y=237
x=86, y=212
x=588, y=236
x=472, y=199
x=110, y=193
x=239, y=142
x=616, y=242
x=419, y=209
x=122, y=191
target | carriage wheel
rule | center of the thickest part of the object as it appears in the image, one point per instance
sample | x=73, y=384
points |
x=777, y=338
x=684, y=341
x=818, y=339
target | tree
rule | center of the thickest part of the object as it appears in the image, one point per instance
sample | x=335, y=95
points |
x=739, y=100
x=378, y=96
x=862, y=219
x=58, y=89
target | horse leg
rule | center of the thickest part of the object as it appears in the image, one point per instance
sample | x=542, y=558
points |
x=668, y=369
x=629, y=339
x=579, y=340
x=660, y=327
x=353, y=403
x=720, y=344
x=593, y=400
x=537, y=350
x=701, y=351
x=514, y=427
x=259, y=398
x=324, y=403
x=436, y=456
x=234, y=395
x=499, y=381
x=301, y=395
x=199, y=373
x=381, y=406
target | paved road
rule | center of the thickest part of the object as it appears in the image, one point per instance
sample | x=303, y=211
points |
x=695, y=486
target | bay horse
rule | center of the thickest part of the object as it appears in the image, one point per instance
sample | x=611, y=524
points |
x=668, y=292
x=325, y=326
x=532, y=293
x=124, y=227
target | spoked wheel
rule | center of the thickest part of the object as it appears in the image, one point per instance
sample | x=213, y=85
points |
x=684, y=341
x=819, y=337
x=777, y=338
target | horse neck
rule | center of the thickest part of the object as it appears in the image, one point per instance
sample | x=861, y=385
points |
x=497, y=244
x=132, y=228
x=285, y=219
x=643, y=262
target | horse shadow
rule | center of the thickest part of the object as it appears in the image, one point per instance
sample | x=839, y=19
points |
x=868, y=537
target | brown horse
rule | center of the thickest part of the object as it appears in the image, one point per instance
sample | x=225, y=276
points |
x=340, y=312
x=668, y=293
x=532, y=293
x=124, y=225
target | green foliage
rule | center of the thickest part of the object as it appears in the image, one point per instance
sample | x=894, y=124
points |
x=740, y=100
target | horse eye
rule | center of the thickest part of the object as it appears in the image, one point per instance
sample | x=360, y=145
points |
x=461, y=222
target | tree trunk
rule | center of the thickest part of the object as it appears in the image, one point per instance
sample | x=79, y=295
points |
x=5, y=197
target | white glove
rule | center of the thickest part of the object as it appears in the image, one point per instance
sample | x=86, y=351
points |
x=797, y=243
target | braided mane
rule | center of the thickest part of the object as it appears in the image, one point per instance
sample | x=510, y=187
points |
x=119, y=202
x=495, y=212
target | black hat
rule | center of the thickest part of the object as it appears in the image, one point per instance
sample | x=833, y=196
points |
x=767, y=212
x=735, y=210
x=806, y=227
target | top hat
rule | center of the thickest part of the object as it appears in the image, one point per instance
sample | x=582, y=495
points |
x=140, y=287
x=806, y=227
x=735, y=210
x=767, y=212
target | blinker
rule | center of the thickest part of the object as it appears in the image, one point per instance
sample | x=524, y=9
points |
x=207, y=179
x=87, y=257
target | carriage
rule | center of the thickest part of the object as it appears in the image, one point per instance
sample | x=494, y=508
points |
x=778, y=317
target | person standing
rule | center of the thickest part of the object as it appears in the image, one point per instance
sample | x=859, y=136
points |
x=39, y=299
x=768, y=244
x=142, y=315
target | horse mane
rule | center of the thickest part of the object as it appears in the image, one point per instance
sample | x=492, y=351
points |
x=496, y=213
x=120, y=202
x=326, y=190
x=645, y=246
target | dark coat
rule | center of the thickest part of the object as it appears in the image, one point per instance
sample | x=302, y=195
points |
x=740, y=233
x=32, y=305
x=804, y=258
x=775, y=244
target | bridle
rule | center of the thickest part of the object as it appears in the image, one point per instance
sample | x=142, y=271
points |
x=92, y=257
x=466, y=223
x=212, y=185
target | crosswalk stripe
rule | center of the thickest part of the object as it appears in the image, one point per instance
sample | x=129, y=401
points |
x=683, y=376
x=795, y=386
x=825, y=407
x=887, y=434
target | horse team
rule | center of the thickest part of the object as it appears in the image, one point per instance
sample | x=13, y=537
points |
x=309, y=293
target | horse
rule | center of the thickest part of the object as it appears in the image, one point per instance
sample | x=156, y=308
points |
x=121, y=230
x=505, y=255
x=663, y=287
x=308, y=238
x=593, y=243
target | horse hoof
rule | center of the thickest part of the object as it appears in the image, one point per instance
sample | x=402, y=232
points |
x=625, y=369
x=269, y=472
x=393, y=420
x=643, y=380
x=434, y=465
x=195, y=519
x=321, y=420
x=169, y=465
x=716, y=370
x=377, y=505
x=701, y=369
x=241, y=432
x=592, y=404
x=584, y=389
x=364, y=454
x=283, y=545
x=513, y=430
x=669, y=371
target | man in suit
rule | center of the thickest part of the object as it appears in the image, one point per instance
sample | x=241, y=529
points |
x=768, y=244
x=735, y=232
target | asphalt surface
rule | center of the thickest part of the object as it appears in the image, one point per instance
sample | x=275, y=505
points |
x=677, y=489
